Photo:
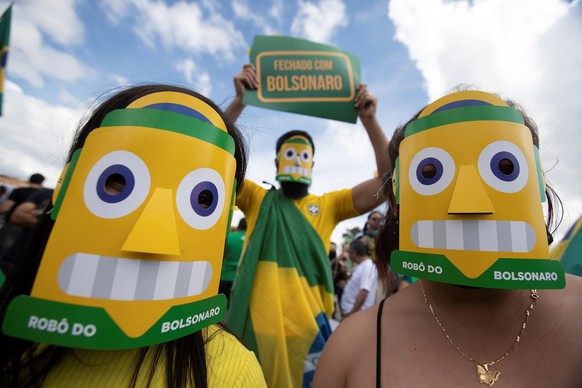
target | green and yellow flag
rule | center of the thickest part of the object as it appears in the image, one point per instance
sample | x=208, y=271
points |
x=283, y=294
x=5, y=21
x=569, y=249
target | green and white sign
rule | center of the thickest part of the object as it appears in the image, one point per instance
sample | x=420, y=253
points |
x=505, y=273
x=86, y=327
x=304, y=77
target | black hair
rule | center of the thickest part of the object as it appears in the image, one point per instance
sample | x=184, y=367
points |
x=366, y=225
x=374, y=212
x=36, y=178
x=359, y=247
x=295, y=132
x=26, y=364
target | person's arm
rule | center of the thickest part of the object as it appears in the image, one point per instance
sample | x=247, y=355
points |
x=25, y=214
x=360, y=299
x=6, y=206
x=368, y=195
x=342, y=350
x=333, y=365
x=247, y=78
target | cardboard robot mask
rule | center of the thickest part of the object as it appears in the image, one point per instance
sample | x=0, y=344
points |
x=295, y=160
x=470, y=189
x=135, y=254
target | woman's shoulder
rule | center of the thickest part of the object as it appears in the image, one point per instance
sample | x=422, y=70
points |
x=221, y=343
x=571, y=295
x=359, y=331
x=350, y=344
x=573, y=281
x=229, y=362
x=350, y=352
x=361, y=322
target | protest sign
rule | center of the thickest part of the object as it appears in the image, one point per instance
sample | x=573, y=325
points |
x=304, y=77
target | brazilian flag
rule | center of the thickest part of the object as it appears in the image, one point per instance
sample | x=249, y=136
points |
x=569, y=249
x=283, y=294
x=5, y=21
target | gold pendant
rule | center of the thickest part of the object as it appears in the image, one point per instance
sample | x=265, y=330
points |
x=486, y=376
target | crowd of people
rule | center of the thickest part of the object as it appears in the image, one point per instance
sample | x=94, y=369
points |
x=460, y=253
x=20, y=211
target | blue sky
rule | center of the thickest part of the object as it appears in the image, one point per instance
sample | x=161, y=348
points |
x=66, y=53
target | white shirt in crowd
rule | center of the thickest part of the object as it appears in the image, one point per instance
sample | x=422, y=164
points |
x=364, y=277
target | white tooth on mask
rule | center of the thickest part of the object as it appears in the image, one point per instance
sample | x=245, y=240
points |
x=94, y=276
x=474, y=235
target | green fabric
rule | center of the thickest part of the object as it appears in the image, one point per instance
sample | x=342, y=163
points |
x=234, y=245
x=505, y=273
x=88, y=327
x=471, y=113
x=5, y=22
x=170, y=121
x=283, y=235
x=572, y=249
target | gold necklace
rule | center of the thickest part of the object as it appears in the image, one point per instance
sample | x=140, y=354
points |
x=485, y=375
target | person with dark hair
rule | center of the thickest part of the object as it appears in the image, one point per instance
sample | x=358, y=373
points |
x=9, y=232
x=373, y=223
x=25, y=215
x=3, y=198
x=118, y=283
x=36, y=179
x=360, y=290
x=465, y=215
x=283, y=294
x=370, y=232
x=3, y=193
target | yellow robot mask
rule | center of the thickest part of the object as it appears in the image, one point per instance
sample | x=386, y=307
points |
x=135, y=254
x=470, y=193
x=295, y=160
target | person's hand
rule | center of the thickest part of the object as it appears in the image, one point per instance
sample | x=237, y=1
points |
x=365, y=103
x=247, y=78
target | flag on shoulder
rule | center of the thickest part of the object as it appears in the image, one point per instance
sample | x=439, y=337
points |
x=283, y=294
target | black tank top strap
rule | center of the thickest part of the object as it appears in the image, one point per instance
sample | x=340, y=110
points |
x=379, y=345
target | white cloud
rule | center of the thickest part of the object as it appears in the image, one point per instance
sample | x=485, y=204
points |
x=183, y=26
x=483, y=43
x=243, y=11
x=31, y=57
x=119, y=80
x=344, y=158
x=116, y=10
x=35, y=135
x=194, y=76
x=319, y=21
x=57, y=19
x=526, y=50
x=276, y=9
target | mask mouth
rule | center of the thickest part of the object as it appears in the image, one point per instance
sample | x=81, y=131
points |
x=115, y=278
x=295, y=170
x=474, y=235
